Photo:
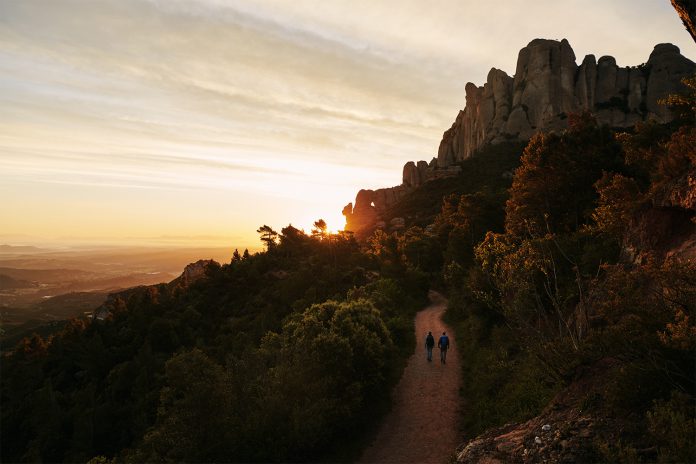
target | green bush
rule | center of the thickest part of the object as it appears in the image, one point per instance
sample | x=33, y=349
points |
x=673, y=426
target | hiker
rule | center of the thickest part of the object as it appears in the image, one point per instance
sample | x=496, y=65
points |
x=443, y=344
x=429, y=344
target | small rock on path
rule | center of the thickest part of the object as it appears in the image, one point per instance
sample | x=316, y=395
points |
x=422, y=426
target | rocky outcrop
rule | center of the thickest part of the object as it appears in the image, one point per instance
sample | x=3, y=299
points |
x=370, y=205
x=194, y=271
x=570, y=429
x=547, y=86
x=686, y=9
x=116, y=302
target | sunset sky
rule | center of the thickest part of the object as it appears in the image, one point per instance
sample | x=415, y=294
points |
x=195, y=122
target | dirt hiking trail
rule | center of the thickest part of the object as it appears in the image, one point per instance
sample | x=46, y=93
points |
x=422, y=426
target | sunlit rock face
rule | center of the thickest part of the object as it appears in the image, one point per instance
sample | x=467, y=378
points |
x=195, y=271
x=369, y=207
x=547, y=86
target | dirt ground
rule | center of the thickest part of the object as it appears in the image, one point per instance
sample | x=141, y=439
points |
x=422, y=426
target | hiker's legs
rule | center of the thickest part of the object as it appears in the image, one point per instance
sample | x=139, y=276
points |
x=444, y=355
x=430, y=353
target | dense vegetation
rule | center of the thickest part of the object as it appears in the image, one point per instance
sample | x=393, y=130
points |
x=272, y=357
x=576, y=266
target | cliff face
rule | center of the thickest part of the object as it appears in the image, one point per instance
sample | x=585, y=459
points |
x=547, y=86
x=686, y=9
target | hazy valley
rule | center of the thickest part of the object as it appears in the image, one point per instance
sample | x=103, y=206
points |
x=41, y=288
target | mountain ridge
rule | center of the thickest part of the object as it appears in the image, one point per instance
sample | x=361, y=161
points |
x=547, y=86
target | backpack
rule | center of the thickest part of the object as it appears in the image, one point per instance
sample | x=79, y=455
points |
x=444, y=342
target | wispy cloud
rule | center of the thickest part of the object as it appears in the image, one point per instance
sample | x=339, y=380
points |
x=289, y=107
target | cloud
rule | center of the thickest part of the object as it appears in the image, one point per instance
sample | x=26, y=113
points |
x=270, y=98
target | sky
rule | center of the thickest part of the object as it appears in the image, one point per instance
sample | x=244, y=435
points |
x=195, y=122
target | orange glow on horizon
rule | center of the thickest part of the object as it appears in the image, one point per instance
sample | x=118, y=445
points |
x=335, y=222
x=252, y=113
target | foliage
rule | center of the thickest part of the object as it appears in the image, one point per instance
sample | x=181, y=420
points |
x=552, y=190
x=683, y=105
x=557, y=291
x=312, y=381
x=672, y=423
x=319, y=229
x=268, y=358
x=620, y=200
x=268, y=236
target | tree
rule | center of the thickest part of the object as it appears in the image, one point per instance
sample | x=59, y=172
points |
x=328, y=363
x=291, y=235
x=553, y=189
x=193, y=417
x=620, y=200
x=683, y=105
x=319, y=229
x=268, y=236
x=245, y=255
x=236, y=256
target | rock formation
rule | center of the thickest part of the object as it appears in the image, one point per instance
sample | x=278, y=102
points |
x=195, y=271
x=686, y=9
x=547, y=86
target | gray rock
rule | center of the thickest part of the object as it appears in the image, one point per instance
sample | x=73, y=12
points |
x=586, y=81
x=667, y=67
x=606, y=79
x=548, y=85
x=411, y=175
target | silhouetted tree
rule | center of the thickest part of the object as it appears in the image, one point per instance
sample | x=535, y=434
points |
x=268, y=236
x=319, y=230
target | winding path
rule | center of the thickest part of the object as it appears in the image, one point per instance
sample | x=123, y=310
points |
x=422, y=426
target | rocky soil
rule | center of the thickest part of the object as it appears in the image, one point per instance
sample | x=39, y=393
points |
x=570, y=429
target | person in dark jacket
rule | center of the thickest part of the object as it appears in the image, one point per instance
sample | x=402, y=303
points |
x=429, y=344
x=443, y=344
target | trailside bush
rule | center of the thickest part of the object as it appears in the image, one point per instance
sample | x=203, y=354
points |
x=672, y=424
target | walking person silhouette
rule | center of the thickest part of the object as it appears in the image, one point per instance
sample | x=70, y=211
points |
x=443, y=343
x=429, y=344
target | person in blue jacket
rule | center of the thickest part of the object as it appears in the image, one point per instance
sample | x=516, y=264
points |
x=443, y=344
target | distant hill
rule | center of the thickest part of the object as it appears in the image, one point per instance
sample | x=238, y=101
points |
x=18, y=248
x=7, y=283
